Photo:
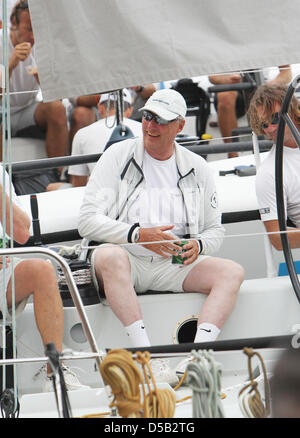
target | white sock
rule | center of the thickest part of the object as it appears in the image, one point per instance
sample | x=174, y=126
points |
x=137, y=334
x=206, y=332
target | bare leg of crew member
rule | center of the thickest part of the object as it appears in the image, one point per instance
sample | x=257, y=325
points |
x=220, y=279
x=113, y=272
x=37, y=277
x=227, y=116
x=52, y=117
x=1, y=157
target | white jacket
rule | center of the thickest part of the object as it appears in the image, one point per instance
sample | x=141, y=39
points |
x=118, y=177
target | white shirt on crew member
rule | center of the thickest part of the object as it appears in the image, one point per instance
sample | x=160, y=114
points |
x=92, y=139
x=160, y=203
x=266, y=186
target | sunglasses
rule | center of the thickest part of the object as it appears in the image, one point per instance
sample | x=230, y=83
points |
x=22, y=5
x=148, y=116
x=274, y=121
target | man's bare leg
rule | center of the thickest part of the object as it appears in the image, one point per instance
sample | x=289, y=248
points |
x=227, y=116
x=37, y=277
x=220, y=279
x=113, y=271
x=1, y=149
x=52, y=117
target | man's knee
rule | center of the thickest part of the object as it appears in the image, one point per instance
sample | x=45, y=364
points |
x=34, y=275
x=227, y=100
x=110, y=259
x=239, y=272
x=55, y=112
x=226, y=272
x=40, y=270
x=233, y=271
x=82, y=116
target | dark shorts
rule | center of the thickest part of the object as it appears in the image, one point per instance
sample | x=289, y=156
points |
x=240, y=104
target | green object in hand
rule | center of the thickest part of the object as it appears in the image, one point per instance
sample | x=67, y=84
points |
x=4, y=243
x=177, y=259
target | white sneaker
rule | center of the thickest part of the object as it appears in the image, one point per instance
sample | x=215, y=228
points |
x=181, y=366
x=162, y=372
x=71, y=380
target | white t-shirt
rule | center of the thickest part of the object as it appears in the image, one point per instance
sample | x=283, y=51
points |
x=160, y=202
x=21, y=80
x=92, y=140
x=266, y=186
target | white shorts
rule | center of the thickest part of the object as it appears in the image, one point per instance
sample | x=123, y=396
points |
x=153, y=273
x=5, y=276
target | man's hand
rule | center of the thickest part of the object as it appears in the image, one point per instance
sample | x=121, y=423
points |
x=191, y=251
x=20, y=53
x=156, y=234
x=168, y=249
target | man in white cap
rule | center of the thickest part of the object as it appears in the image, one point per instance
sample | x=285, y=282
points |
x=93, y=138
x=151, y=189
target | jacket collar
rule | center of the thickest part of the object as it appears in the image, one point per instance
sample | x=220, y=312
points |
x=183, y=160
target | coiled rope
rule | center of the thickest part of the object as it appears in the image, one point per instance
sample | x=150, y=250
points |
x=121, y=373
x=203, y=375
x=250, y=400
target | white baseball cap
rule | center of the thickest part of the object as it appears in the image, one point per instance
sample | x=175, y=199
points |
x=167, y=104
x=112, y=96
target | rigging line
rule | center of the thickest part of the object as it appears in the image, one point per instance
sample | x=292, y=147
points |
x=3, y=85
x=6, y=155
x=254, y=70
x=108, y=103
x=29, y=348
x=215, y=74
x=20, y=92
x=12, y=262
x=218, y=138
x=206, y=238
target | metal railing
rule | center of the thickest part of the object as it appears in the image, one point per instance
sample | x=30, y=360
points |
x=96, y=353
x=196, y=147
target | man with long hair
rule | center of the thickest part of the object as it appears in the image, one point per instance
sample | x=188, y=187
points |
x=264, y=110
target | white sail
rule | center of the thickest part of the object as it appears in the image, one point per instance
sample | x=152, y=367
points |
x=92, y=46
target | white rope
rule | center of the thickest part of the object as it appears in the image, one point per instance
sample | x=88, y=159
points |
x=203, y=375
x=66, y=251
x=246, y=382
x=84, y=247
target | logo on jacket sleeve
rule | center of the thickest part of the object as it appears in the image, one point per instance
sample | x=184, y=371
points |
x=214, y=200
x=265, y=210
